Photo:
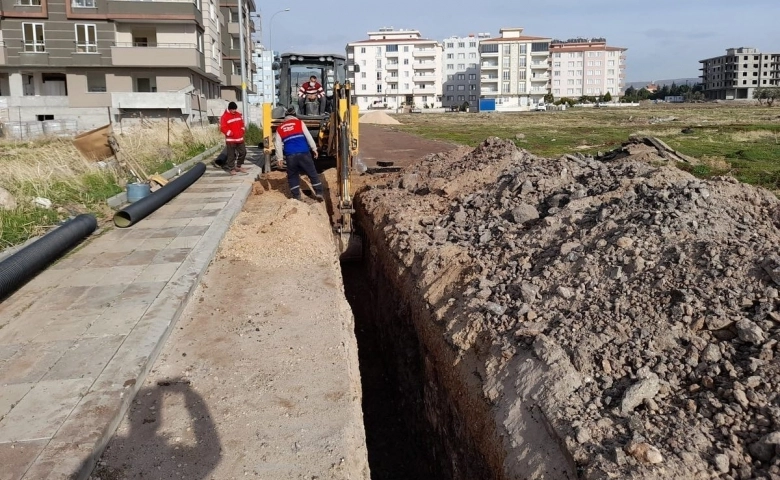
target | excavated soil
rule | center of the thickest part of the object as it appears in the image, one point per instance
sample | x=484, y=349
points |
x=580, y=318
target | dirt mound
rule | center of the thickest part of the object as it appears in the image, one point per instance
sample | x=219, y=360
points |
x=378, y=117
x=633, y=304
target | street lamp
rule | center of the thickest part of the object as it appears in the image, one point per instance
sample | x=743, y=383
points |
x=273, y=56
x=242, y=57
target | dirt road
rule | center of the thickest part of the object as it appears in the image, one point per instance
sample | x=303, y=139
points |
x=382, y=143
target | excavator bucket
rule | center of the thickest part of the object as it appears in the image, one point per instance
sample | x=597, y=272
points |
x=351, y=246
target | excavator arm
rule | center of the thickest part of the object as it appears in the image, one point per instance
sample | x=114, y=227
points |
x=343, y=145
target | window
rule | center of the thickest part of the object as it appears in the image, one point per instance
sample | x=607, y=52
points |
x=540, y=46
x=557, y=55
x=450, y=77
x=523, y=48
x=450, y=66
x=521, y=62
x=86, y=38
x=379, y=88
x=450, y=98
x=450, y=56
x=96, y=82
x=461, y=98
x=450, y=88
x=29, y=3
x=81, y=3
x=505, y=62
x=379, y=75
x=461, y=66
x=505, y=75
x=406, y=61
x=461, y=76
x=472, y=44
x=406, y=86
x=146, y=84
x=507, y=49
x=557, y=64
x=571, y=64
x=472, y=55
x=461, y=44
x=505, y=87
x=362, y=74
x=212, y=11
x=362, y=49
x=392, y=48
x=556, y=82
x=521, y=87
x=406, y=48
x=363, y=87
x=472, y=76
x=461, y=88
x=199, y=37
x=378, y=63
x=450, y=45
x=461, y=56
x=34, y=40
x=472, y=87
x=379, y=50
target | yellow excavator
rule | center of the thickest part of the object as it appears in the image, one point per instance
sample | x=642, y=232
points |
x=333, y=123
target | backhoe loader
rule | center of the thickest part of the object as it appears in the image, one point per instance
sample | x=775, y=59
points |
x=335, y=131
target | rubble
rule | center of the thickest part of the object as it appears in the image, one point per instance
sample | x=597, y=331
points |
x=647, y=296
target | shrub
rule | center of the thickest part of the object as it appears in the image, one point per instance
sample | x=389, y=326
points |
x=253, y=135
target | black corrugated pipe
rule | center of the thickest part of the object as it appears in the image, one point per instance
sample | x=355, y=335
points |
x=24, y=264
x=139, y=210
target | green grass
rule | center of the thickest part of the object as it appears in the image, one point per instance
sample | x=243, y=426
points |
x=86, y=192
x=742, y=141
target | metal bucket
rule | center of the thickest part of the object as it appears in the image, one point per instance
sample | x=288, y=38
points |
x=137, y=191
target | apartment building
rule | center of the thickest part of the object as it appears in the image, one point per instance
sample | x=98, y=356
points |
x=461, y=71
x=264, y=79
x=86, y=60
x=587, y=66
x=397, y=68
x=514, y=70
x=736, y=75
x=231, y=49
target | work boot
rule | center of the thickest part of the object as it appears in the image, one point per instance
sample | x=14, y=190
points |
x=319, y=197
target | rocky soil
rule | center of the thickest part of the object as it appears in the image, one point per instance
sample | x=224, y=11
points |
x=633, y=304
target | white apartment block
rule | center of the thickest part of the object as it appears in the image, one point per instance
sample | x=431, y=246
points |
x=397, y=68
x=587, y=67
x=461, y=71
x=265, y=76
x=515, y=69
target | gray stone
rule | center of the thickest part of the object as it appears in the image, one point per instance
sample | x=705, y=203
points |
x=722, y=463
x=766, y=448
x=717, y=322
x=565, y=292
x=711, y=353
x=529, y=292
x=638, y=392
x=495, y=308
x=410, y=182
x=624, y=242
x=7, y=201
x=524, y=213
x=750, y=332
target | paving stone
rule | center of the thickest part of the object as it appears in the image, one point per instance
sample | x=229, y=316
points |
x=10, y=395
x=172, y=255
x=166, y=232
x=155, y=243
x=31, y=362
x=51, y=279
x=209, y=213
x=57, y=299
x=183, y=241
x=16, y=458
x=74, y=261
x=60, y=460
x=137, y=233
x=161, y=272
x=67, y=325
x=193, y=230
x=85, y=277
x=139, y=257
x=97, y=299
x=25, y=327
x=163, y=222
x=201, y=221
x=107, y=259
x=43, y=410
x=86, y=359
x=213, y=205
x=122, y=274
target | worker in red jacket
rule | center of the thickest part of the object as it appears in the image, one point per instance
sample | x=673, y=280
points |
x=311, y=91
x=232, y=126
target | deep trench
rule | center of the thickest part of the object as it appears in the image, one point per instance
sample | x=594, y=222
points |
x=413, y=431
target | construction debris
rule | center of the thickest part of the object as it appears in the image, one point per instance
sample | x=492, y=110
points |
x=634, y=305
x=378, y=117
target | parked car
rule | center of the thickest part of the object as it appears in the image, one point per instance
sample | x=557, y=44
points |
x=540, y=107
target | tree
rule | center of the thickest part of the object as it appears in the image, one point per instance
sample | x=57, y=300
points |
x=772, y=94
x=549, y=98
x=607, y=97
x=760, y=94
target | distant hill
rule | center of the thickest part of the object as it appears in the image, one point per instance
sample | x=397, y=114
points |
x=661, y=83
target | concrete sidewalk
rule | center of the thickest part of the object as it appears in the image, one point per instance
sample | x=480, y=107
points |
x=77, y=341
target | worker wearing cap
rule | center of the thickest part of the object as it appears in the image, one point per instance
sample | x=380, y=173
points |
x=294, y=143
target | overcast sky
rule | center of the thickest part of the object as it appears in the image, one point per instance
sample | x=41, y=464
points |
x=665, y=38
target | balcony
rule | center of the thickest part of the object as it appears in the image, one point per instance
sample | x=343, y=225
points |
x=391, y=66
x=424, y=52
x=233, y=28
x=157, y=55
x=390, y=54
x=424, y=65
x=152, y=10
x=489, y=66
x=2, y=53
x=540, y=65
x=151, y=100
x=233, y=80
x=489, y=78
x=425, y=78
x=540, y=78
x=544, y=52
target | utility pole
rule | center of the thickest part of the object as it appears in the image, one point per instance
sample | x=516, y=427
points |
x=273, y=56
x=243, y=60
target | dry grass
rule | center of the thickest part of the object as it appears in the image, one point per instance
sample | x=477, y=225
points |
x=52, y=168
